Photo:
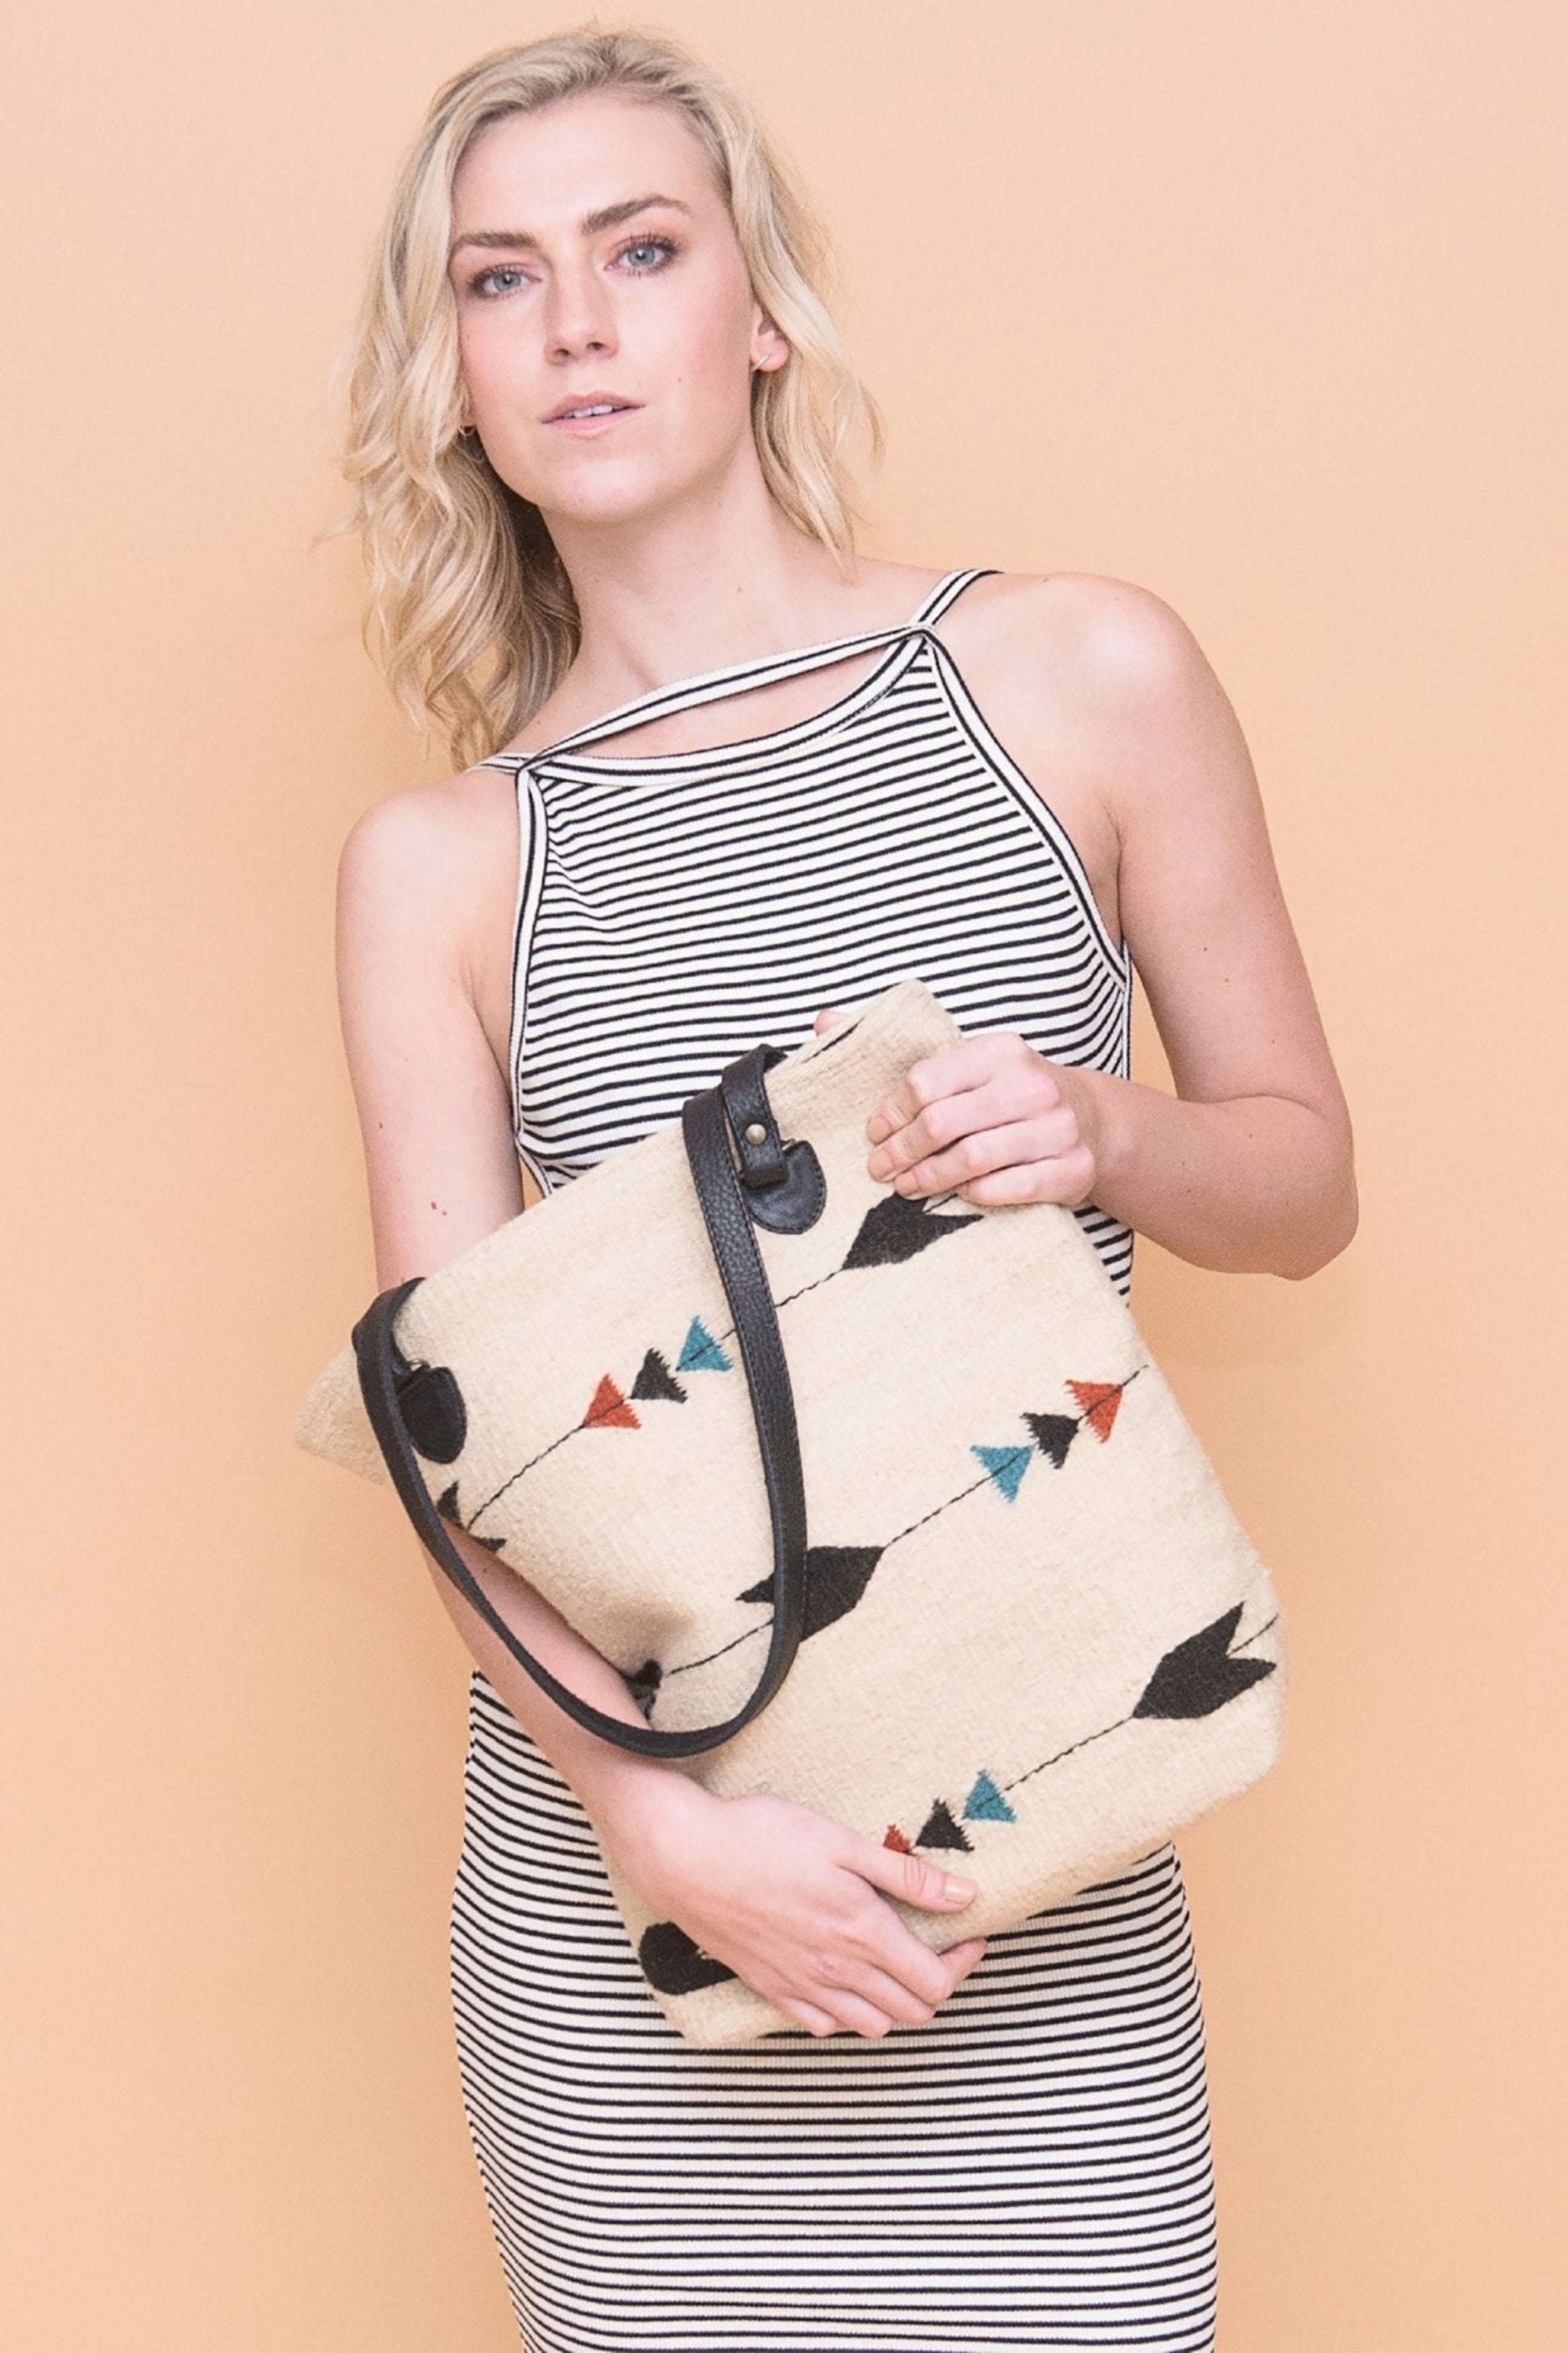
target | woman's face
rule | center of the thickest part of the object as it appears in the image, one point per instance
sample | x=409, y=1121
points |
x=594, y=262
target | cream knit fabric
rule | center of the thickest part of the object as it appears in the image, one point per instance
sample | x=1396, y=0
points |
x=1037, y=1641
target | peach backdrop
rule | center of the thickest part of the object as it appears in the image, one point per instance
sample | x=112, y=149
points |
x=1262, y=306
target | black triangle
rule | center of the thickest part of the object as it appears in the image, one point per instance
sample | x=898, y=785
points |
x=836, y=1578
x=656, y=1380
x=1053, y=1433
x=644, y=1684
x=673, y=1964
x=1197, y=1676
x=940, y=1830
x=899, y=1229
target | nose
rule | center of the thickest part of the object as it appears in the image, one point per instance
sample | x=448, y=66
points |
x=579, y=318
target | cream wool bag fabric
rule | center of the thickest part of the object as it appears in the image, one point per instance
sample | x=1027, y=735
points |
x=1036, y=1643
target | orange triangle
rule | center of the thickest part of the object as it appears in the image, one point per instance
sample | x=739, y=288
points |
x=1101, y=1401
x=897, y=1840
x=609, y=1409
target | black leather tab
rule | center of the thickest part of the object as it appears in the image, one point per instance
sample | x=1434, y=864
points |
x=433, y=1412
x=785, y=1188
x=799, y=1201
x=750, y=1114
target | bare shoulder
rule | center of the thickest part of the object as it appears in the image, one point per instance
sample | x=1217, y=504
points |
x=425, y=882
x=1106, y=646
x=1103, y=687
x=427, y=892
x=433, y=860
x=1115, y=628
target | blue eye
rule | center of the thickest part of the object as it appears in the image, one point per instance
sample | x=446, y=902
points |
x=643, y=256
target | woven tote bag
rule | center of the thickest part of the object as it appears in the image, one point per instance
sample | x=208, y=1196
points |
x=880, y=1504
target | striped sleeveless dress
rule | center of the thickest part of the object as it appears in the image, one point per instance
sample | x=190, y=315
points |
x=1032, y=2166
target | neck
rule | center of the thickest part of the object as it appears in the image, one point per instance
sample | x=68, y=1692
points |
x=696, y=587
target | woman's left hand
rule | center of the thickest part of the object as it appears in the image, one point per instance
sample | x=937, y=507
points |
x=988, y=1119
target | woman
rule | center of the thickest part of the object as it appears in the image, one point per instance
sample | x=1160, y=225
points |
x=744, y=782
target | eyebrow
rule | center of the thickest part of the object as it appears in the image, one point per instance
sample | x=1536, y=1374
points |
x=607, y=216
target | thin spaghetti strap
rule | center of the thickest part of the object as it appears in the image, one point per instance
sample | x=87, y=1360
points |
x=948, y=591
x=708, y=686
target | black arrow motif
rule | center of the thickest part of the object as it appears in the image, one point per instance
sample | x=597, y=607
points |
x=672, y=1962
x=836, y=1578
x=899, y=1229
x=1197, y=1676
x=644, y=1684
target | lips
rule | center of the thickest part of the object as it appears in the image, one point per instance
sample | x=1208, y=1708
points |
x=589, y=407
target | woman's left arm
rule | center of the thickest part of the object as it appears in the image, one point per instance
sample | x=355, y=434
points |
x=1247, y=1167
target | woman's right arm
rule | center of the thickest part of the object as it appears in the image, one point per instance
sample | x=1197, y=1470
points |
x=789, y=1900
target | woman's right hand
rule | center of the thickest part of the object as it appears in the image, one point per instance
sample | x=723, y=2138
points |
x=793, y=1904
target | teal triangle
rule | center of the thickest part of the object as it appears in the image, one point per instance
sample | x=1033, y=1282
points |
x=702, y=1353
x=1007, y=1465
x=986, y=1803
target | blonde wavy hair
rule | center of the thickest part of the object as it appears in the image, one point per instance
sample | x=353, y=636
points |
x=471, y=614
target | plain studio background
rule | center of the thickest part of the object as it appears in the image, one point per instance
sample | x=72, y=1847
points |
x=1260, y=306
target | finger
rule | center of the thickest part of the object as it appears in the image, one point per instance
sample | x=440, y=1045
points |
x=828, y=1018
x=909, y=1877
x=1066, y=1178
x=913, y=2003
x=959, y=1960
x=861, y=2017
x=806, y=2014
x=879, y=1955
x=1008, y=1096
x=1031, y=1143
x=915, y=1982
x=957, y=1070
x=1035, y=1143
x=925, y=1975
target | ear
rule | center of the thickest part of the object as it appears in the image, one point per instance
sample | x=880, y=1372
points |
x=770, y=349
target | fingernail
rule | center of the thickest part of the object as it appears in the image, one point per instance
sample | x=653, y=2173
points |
x=958, y=1891
x=879, y=1164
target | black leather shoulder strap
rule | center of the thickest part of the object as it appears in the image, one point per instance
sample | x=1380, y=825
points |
x=705, y=1129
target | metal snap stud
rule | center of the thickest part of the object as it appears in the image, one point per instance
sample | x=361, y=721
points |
x=756, y=1133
